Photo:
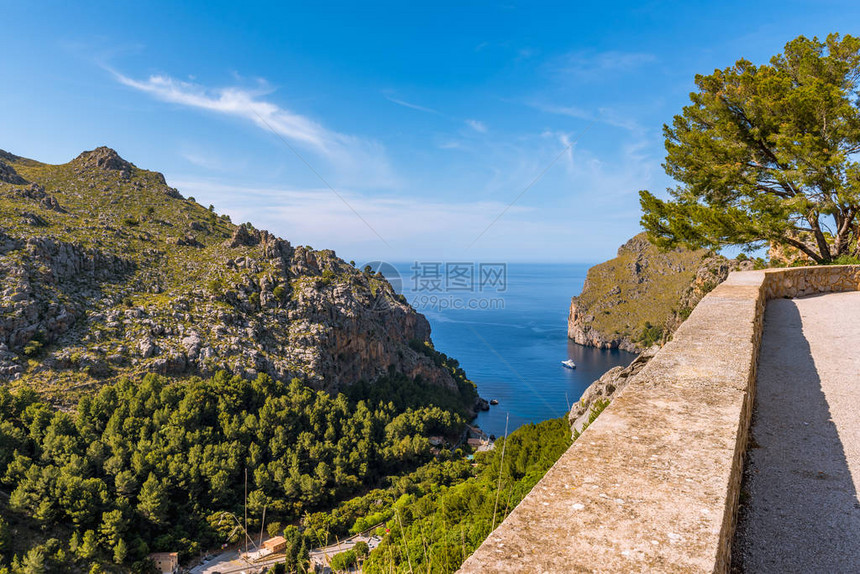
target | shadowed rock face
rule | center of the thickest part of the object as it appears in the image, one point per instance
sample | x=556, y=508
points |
x=9, y=175
x=124, y=276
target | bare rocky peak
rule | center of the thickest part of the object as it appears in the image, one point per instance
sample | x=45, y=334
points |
x=107, y=160
x=637, y=245
x=9, y=175
x=103, y=158
x=100, y=287
x=643, y=294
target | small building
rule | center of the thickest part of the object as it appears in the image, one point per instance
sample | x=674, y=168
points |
x=275, y=544
x=166, y=562
x=436, y=440
x=474, y=442
x=487, y=446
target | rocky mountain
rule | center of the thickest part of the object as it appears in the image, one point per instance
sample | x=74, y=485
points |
x=642, y=295
x=107, y=271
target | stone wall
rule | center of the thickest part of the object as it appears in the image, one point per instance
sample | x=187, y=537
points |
x=800, y=281
x=652, y=485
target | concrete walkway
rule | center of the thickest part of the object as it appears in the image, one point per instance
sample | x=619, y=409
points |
x=799, y=507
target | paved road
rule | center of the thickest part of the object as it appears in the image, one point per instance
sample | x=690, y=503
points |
x=224, y=563
x=322, y=556
x=800, y=511
x=230, y=562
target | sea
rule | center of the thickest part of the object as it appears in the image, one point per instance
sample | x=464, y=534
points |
x=507, y=326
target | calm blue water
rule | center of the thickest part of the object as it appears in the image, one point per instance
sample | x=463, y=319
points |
x=512, y=353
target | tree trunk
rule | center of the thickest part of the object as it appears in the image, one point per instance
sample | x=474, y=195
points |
x=845, y=229
x=820, y=240
x=803, y=247
x=857, y=239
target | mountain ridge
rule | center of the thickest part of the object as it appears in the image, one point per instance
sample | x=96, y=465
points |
x=110, y=272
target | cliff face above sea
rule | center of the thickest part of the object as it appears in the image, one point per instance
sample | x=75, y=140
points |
x=641, y=296
x=106, y=271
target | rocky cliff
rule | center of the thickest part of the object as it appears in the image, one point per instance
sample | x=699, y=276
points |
x=106, y=271
x=641, y=296
x=601, y=392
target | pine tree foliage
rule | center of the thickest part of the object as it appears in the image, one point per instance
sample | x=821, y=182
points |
x=768, y=154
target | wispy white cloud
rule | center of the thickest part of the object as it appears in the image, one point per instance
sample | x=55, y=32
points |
x=526, y=53
x=479, y=127
x=410, y=105
x=570, y=194
x=589, y=65
x=202, y=160
x=238, y=102
x=604, y=115
x=585, y=84
x=570, y=201
x=354, y=158
x=570, y=111
x=569, y=143
x=200, y=157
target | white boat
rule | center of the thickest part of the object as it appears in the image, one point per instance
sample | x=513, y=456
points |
x=569, y=364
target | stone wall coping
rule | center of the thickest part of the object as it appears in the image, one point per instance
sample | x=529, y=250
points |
x=653, y=484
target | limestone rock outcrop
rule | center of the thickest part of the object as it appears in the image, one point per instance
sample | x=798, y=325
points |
x=103, y=158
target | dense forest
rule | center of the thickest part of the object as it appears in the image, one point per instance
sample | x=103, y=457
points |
x=159, y=465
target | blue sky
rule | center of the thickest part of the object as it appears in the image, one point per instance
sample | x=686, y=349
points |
x=450, y=131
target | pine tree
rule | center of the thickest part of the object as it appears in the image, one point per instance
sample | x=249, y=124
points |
x=120, y=551
x=304, y=557
x=89, y=545
x=34, y=562
x=152, y=501
x=768, y=154
x=5, y=540
x=74, y=542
